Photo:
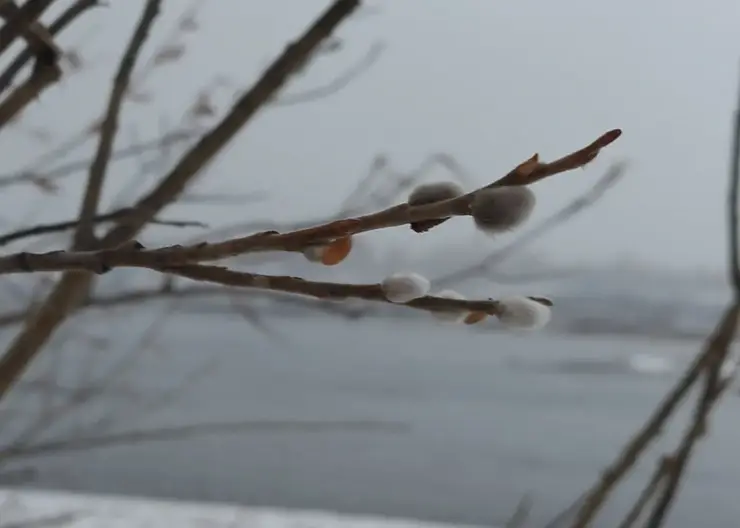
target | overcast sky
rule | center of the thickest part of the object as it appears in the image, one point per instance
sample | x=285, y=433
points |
x=490, y=82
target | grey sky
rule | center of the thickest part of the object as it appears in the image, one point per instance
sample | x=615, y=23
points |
x=488, y=81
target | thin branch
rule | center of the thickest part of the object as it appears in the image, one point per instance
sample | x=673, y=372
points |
x=104, y=260
x=325, y=290
x=337, y=84
x=714, y=385
x=647, y=494
x=599, y=493
x=44, y=75
x=708, y=362
x=62, y=22
x=84, y=236
x=185, y=431
x=20, y=21
x=40, y=40
x=713, y=389
x=58, y=227
x=519, y=176
x=734, y=204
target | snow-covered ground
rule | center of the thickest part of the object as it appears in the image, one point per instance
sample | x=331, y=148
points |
x=47, y=509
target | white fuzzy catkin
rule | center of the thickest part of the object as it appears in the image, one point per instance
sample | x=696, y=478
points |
x=404, y=287
x=502, y=209
x=523, y=313
x=435, y=192
x=452, y=316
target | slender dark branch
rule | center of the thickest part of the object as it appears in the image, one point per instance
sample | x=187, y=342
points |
x=714, y=385
x=337, y=84
x=22, y=59
x=84, y=236
x=636, y=447
x=732, y=206
x=57, y=227
x=217, y=428
x=19, y=22
x=44, y=75
x=653, y=485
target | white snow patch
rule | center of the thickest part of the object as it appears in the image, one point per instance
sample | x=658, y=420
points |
x=22, y=509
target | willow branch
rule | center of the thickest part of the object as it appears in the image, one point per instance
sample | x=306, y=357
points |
x=58, y=227
x=104, y=260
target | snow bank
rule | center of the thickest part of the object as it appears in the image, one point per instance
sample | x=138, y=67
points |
x=42, y=509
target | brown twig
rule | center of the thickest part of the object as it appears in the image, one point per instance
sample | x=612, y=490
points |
x=661, y=469
x=84, y=236
x=533, y=170
x=324, y=290
x=713, y=388
x=292, y=241
x=599, y=493
x=216, y=428
x=714, y=385
x=20, y=21
x=40, y=40
x=44, y=75
x=63, y=21
x=57, y=227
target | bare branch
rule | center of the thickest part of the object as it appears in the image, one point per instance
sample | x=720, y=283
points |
x=65, y=19
x=72, y=287
x=19, y=22
x=57, y=227
x=185, y=431
x=84, y=236
x=104, y=260
x=337, y=84
x=598, y=494
x=43, y=76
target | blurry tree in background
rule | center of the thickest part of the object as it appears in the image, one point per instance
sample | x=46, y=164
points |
x=64, y=266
